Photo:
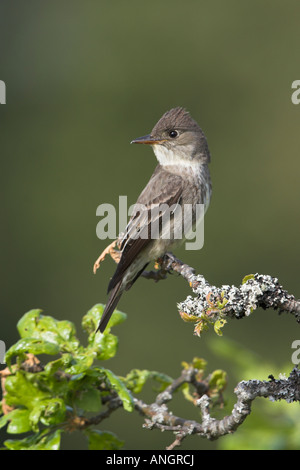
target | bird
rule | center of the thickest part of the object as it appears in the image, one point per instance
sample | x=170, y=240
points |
x=181, y=179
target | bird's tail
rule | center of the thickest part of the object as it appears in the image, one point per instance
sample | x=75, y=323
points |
x=110, y=306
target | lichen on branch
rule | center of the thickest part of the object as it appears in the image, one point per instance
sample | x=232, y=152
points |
x=212, y=305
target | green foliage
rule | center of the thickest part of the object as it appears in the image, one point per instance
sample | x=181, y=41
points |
x=213, y=315
x=40, y=441
x=136, y=379
x=247, y=278
x=48, y=400
x=217, y=381
x=103, y=440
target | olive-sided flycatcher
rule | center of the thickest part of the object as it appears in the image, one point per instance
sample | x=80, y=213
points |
x=181, y=178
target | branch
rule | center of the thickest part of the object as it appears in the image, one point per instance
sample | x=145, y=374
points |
x=213, y=304
x=158, y=416
x=210, y=428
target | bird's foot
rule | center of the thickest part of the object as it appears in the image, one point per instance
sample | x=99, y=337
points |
x=166, y=262
x=109, y=250
x=162, y=267
x=157, y=275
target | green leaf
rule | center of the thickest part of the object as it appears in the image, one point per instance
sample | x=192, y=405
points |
x=35, y=325
x=99, y=440
x=187, y=317
x=35, y=405
x=136, y=379
x=103, y=344
x=199, y=363
x=91, y=320
x=247, y=278
x=49, y=412
x=42, y=441
x=31, y=345
x=21, y=392
x=81, y=362
x=106, y=345
x=218, y=325
x=185, y=388
x=42, y=334
x=62, y=363
x=218, y=380
x=4, y=420
x=18, y=421
x=118, y=385
x=88, y=400
x=28, y=323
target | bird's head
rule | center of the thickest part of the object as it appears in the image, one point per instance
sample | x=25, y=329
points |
x=177, y=138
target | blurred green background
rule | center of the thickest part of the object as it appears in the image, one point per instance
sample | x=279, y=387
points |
x=85, y=78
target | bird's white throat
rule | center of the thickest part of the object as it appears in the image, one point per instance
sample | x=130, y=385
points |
x=178, y=156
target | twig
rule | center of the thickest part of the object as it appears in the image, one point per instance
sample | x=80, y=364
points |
x=213, y=303
x=158, y=416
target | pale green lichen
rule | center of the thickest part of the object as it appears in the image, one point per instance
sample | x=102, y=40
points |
x=212, y=304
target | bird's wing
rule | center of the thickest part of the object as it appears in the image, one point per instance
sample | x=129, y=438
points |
x=164, y=190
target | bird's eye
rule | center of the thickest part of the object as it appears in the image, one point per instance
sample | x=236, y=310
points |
x=173, y=134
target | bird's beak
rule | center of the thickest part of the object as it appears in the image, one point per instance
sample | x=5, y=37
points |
x=147, y=139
